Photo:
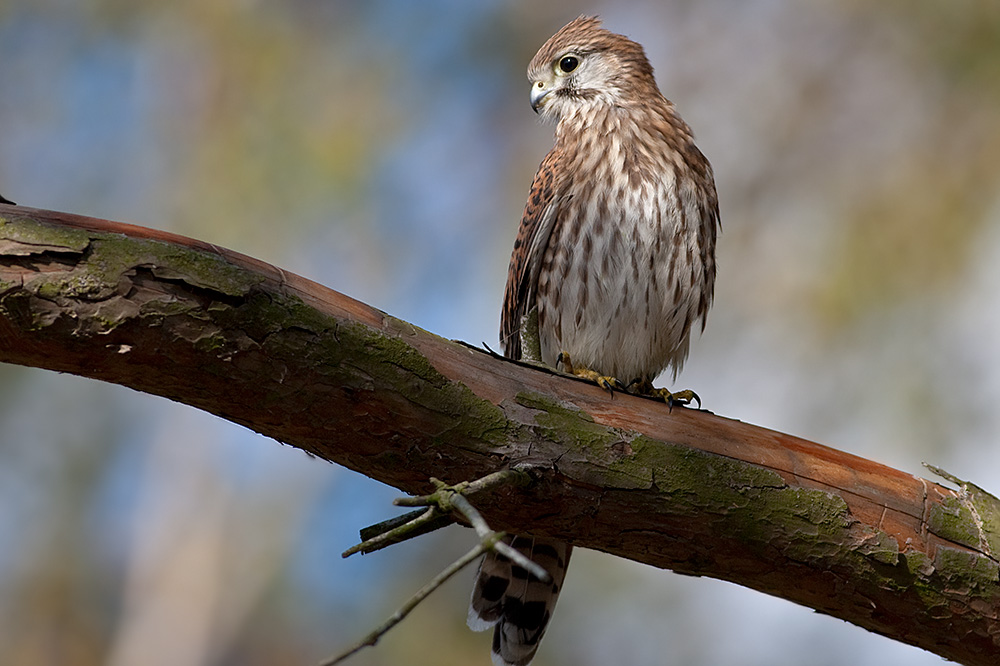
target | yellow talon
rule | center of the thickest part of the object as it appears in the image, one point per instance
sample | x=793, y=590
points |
x=609, y=384
x=645, y=387
x=677, y=397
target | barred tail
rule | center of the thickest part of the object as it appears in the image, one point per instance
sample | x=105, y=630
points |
x=518, y=605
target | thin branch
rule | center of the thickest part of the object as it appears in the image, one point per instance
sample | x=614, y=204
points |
x=422, y=523
x=372, y=638
x=438, y=515
x=445, y=499
x=487, y=535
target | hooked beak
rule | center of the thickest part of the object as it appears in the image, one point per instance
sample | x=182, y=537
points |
x=538, y=93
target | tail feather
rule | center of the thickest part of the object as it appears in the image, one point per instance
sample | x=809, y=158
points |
x=518, y=605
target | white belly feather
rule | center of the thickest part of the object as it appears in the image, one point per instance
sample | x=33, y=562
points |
x=623, y=300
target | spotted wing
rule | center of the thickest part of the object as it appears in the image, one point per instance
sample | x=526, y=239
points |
x=540, y=214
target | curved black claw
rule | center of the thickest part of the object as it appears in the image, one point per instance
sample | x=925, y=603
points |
x=682, y=398
x=645, y=387
x=609, y=384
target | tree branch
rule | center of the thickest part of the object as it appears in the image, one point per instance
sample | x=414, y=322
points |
x=683, y=490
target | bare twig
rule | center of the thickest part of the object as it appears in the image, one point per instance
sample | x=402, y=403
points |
x=438, y=514
x=397, y=617
x=396, y=530
x=442, y=502
x=441, y=496
x=452, y=498
x=488, y=535
x=384, y=526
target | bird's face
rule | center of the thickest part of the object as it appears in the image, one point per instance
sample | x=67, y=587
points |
x=573, y=79
x=584, y=68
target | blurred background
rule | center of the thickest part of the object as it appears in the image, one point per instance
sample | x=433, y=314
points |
x=385, y=149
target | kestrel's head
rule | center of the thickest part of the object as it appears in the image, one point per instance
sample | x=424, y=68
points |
x=584, y=64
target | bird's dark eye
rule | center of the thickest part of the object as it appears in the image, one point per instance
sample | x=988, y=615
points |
x=568, y=63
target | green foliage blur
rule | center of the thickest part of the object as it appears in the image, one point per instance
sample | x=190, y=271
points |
x=384, y=148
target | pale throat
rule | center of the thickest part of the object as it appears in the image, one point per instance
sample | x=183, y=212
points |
x=585, y=103
x=602, y=128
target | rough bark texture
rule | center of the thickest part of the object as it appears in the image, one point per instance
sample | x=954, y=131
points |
x=683, y=490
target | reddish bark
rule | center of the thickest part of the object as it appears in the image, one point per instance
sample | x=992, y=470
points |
x=681, y=489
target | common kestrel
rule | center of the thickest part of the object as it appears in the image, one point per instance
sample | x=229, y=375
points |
x=616, y=255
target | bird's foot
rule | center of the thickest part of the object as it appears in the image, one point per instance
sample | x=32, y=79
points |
x=609, y=384
x=677, y=397
x=672, y=398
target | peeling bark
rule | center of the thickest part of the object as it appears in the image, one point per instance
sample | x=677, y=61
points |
x=684, y=490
